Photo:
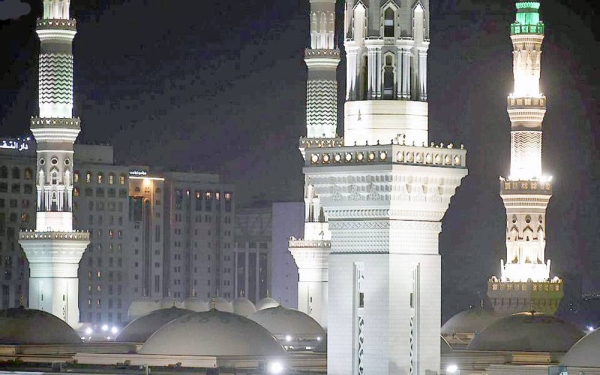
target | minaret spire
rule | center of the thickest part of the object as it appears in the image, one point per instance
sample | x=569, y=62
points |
x=310, y=253
x=54, y=249
x=527, y=191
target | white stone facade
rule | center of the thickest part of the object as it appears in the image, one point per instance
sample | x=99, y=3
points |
x=54, y=249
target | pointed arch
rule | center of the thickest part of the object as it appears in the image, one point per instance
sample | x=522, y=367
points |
x=389, y=74
x=389, y=20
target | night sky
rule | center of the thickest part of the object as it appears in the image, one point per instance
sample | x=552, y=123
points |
x=220, y=87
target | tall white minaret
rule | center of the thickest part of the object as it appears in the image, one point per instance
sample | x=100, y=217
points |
x=383, y=191
x=311, y=253
x=54, y=249
x=525, y=283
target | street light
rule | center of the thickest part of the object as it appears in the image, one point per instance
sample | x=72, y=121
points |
x=452, y=369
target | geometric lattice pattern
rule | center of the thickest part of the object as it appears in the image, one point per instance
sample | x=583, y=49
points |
x=321, y=108
x=526, y=154
x=56, y=79
x=361, y=342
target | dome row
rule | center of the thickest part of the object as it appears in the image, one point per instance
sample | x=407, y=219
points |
x=240, y=306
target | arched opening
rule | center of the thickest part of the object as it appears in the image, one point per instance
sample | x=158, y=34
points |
x=389, y=77
x=389, y=29
x=364, y=78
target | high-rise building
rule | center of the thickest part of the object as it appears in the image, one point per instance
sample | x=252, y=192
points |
x=54, y=249
x=17, y=213
x=101, y=206
x=525, y=283
x=383, y=192
x=312, y=251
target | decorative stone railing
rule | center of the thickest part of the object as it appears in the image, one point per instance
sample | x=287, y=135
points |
x=57, y=24
x=309, y=243
x=321, y=142
x=73, y=123
x=525, y=187
x=526, y=102
x=440, y=155
x=321, y=53
x=34, y=235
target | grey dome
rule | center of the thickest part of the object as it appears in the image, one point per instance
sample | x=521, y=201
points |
x=266, y=303
x=527, y=332
x=445, y=348
x=143, y=327
x=221, y=304
x=281, y=321
x=21, y=326
x=470, y=321
x=196, y=304
x=585, y=353
x=243, y=306
x=213, y=333
x=141, y=307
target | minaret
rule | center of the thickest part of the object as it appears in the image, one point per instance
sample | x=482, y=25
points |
x=311, y=253
x=54, y=249
x=525, y=283
x=386, y=83
x=383, y=192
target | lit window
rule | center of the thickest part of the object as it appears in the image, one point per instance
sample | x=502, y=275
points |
x=100, y=178
x=111, y=178
x=122, y=179
x=75, y=177
x=76, y=192
x=88, y=177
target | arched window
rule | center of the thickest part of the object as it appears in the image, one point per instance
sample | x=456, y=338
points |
x=100, y=178
x=54, y=177
x=111, y=178
x=389, y=77
x=16, y=173
x=3, y=172
x=76, y=192
x=122, y=179
x=389, y=27
x=88, y=177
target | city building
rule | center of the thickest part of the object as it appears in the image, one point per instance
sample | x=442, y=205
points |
x=525, y=283
x=17, y=206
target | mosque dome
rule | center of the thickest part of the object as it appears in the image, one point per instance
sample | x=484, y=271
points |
x=469, y=322
x=213, y=333
x=21, y=326
x=141, y=328
x=221, y=304
x=266, y=303
x=243, y=306
x=281, y=321
x=585, y=353
x=169, y=302
x=195, y=304
x=141, y=307
x=527, y=332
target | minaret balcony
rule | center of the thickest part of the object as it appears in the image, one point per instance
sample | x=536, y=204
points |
x=447, y=156
x=517, y=28
x=526, y=102
x=59, y=235
x=520, y=187
x=57, y=24
x=46, y=123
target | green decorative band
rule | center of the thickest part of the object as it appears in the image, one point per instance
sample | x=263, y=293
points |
x=528, y=4
x=517, y=28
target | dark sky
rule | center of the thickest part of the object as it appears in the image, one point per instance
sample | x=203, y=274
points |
x=220, y=86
